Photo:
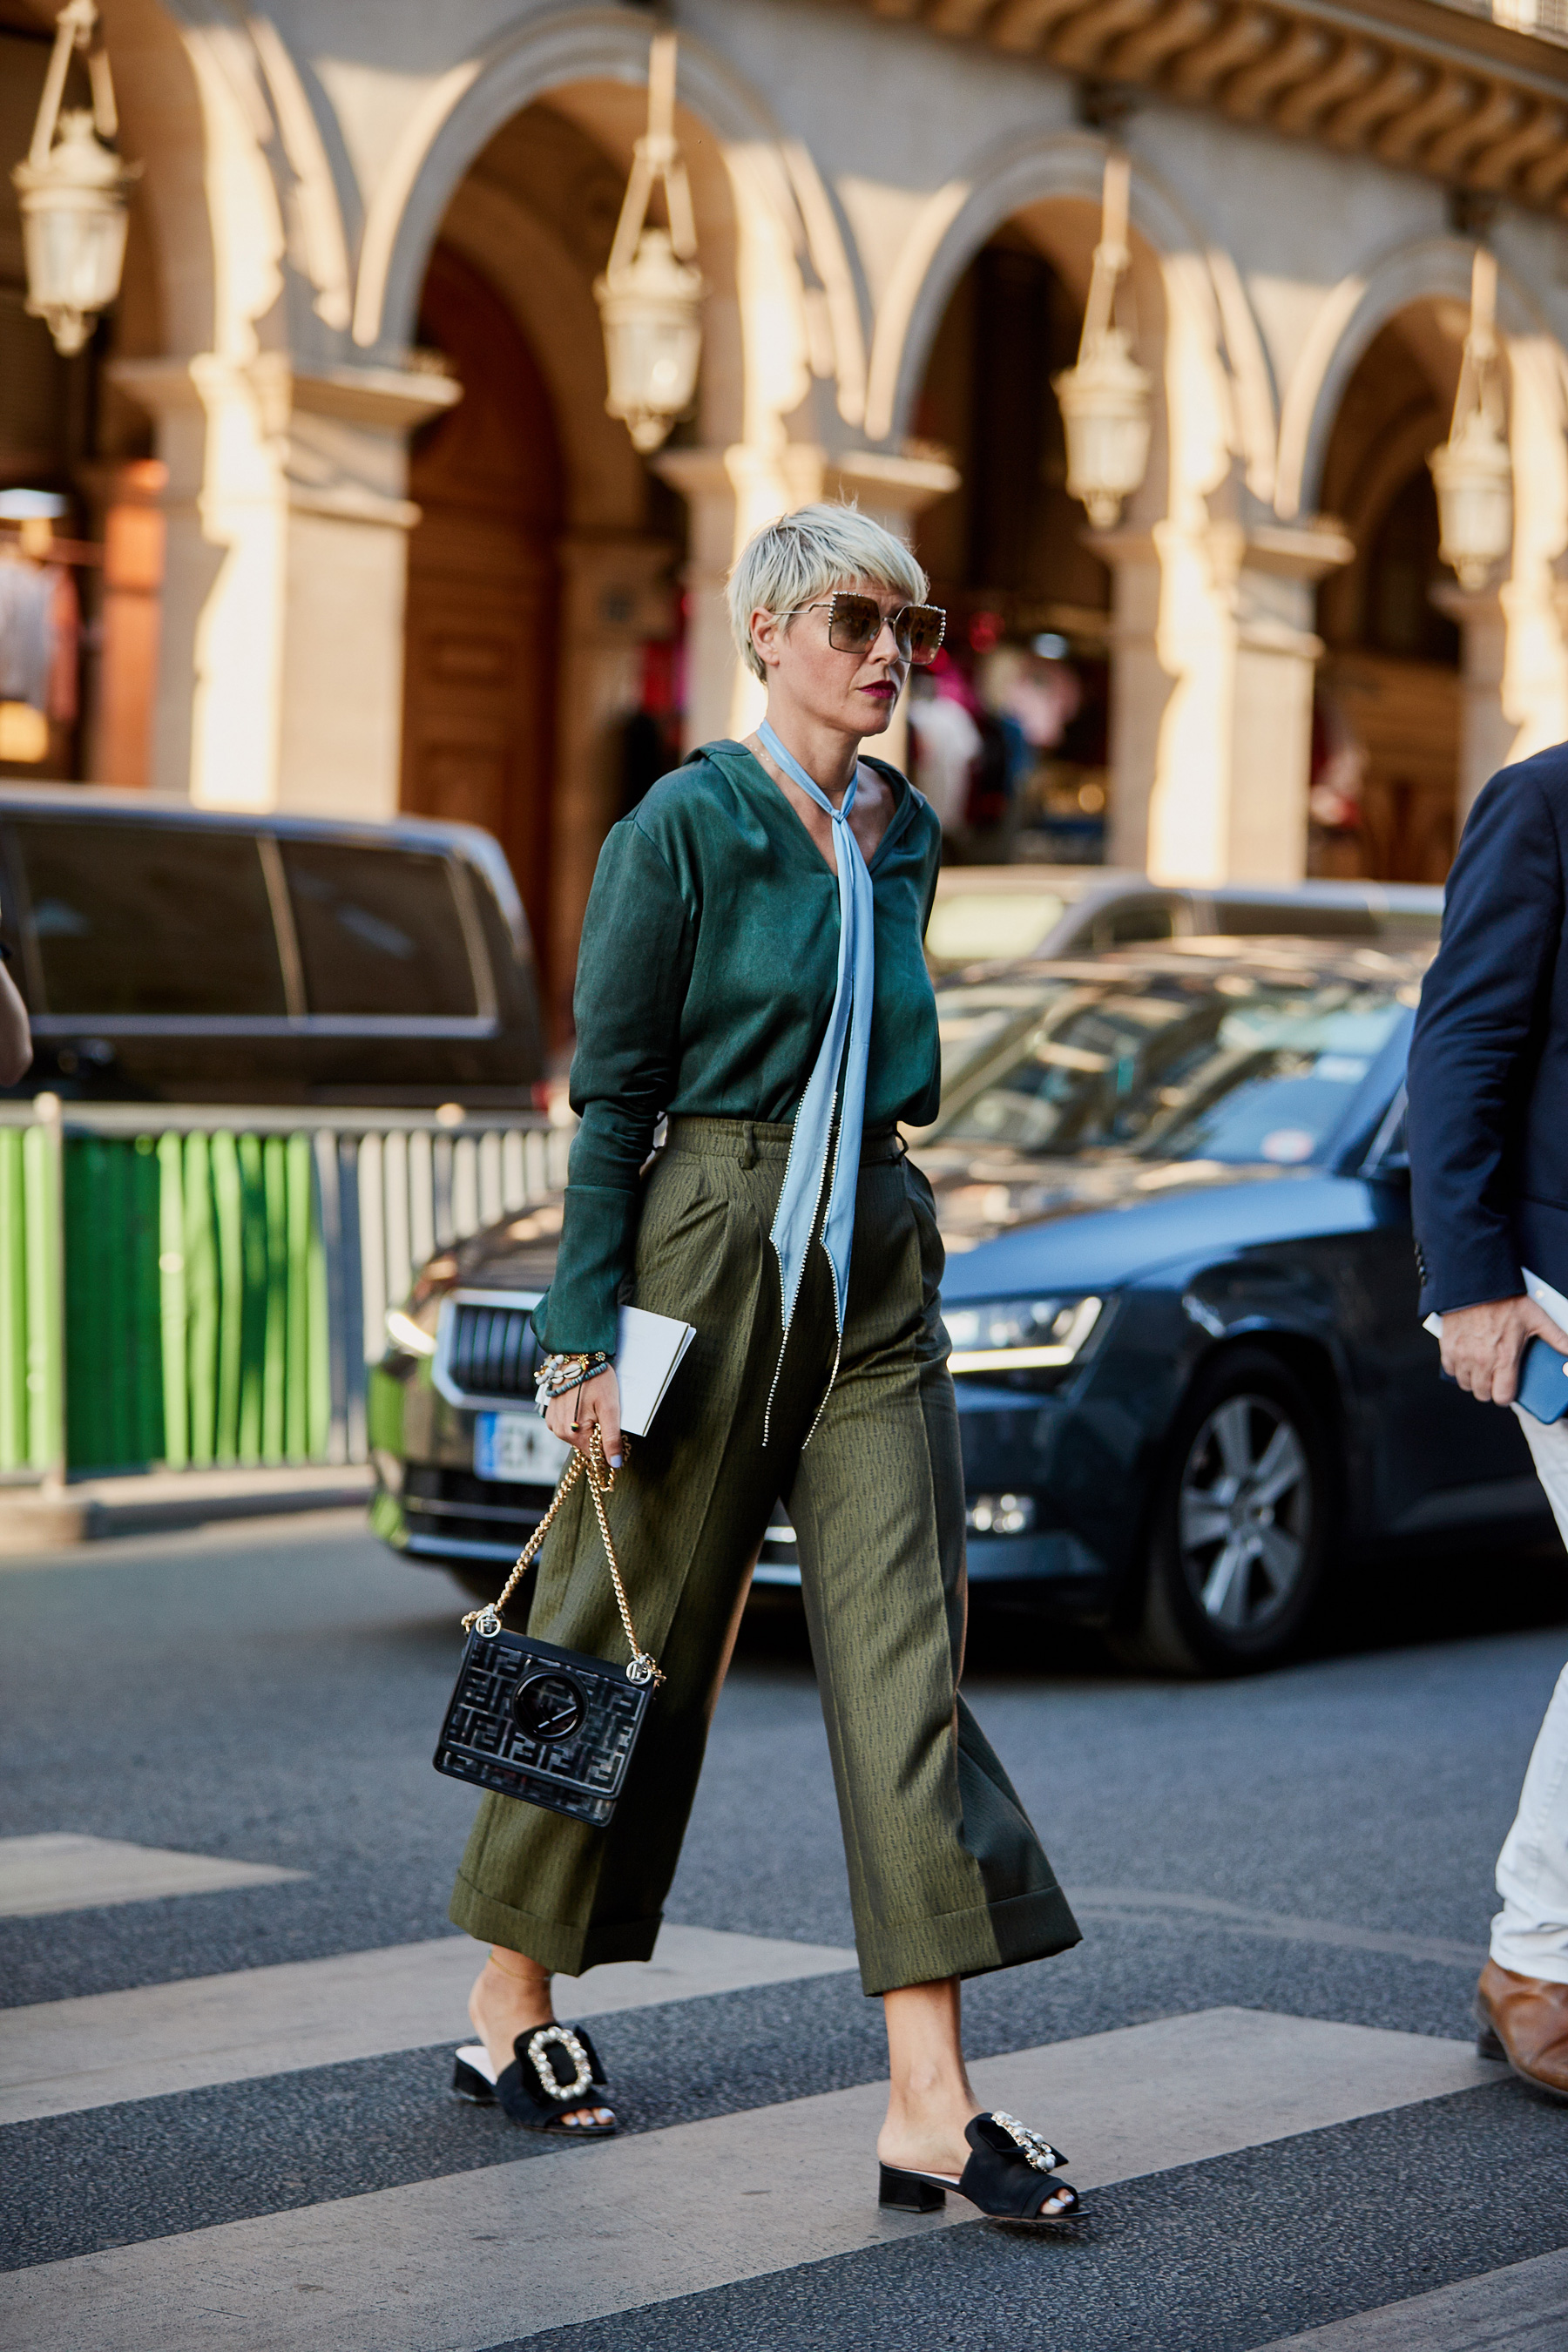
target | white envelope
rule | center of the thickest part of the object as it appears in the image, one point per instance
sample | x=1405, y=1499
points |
x=649, y=1350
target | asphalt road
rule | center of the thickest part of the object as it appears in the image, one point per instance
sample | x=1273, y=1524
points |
x=1317, y=1844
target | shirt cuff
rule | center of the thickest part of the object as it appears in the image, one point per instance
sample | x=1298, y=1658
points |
x=580, y=1312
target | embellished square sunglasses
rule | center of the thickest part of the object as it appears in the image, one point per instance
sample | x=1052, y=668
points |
x=855, y=624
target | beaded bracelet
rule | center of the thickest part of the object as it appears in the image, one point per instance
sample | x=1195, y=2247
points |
x=559, y=1375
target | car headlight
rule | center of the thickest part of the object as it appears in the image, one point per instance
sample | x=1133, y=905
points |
x=414, y=1334
x=1019, y=1335
x=412, y=1327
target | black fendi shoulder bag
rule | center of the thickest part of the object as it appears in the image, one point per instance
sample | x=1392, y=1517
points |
x=549, y=1727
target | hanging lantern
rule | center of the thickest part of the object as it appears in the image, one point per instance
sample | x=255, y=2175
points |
x=1473, y=471
x=1105, y=398
x=650, y=298
x=72, y=192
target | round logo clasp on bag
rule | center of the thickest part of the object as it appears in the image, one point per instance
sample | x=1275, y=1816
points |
x=549, y=1706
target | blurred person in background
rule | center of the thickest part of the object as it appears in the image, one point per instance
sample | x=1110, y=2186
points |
x=947, y=744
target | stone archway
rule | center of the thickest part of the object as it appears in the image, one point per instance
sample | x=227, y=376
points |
x=1023, y=682
x=1390, y=697
x=479, y=676
x=541, y=602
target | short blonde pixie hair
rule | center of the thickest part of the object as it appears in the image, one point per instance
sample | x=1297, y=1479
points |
x=803, y=556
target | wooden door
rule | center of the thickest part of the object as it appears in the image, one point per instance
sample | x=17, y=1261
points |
x=1407, y=717
x=479, y=676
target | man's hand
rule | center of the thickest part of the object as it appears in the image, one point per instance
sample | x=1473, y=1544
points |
x=598, y=1402
x=1482, y=1345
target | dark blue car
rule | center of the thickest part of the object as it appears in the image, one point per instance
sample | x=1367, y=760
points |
x=1181, y=1293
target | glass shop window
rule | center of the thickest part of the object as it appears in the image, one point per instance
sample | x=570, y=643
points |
x=149, y=920
x=379, y=930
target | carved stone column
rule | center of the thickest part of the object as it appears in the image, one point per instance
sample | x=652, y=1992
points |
x=1214, y=653
x=280, y=671
x=1486, y=732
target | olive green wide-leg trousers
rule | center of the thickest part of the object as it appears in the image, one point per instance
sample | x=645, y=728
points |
x=946, y=1876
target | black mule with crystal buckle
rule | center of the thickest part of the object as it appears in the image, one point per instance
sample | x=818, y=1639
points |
x=554, y=2073
x=1007, y=2177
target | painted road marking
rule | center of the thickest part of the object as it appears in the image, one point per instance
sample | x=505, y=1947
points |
x=60, y=2056
x=477, y=2259
x=67, y=1873
x=1127, y=1903
x=1522, y=2308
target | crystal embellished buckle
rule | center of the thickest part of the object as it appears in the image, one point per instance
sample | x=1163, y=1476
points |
x=563, y=2037
x=1036, y=2150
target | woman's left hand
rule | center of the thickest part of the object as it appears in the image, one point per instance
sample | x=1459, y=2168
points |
x=596, y=1405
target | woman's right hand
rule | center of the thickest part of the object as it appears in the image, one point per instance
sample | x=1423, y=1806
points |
x=596, y=1405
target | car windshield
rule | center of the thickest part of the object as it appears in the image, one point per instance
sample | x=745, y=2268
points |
x=1233, y=1066
x=975, y=1023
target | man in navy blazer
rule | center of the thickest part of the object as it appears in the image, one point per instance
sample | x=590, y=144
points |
x=1489, y=1164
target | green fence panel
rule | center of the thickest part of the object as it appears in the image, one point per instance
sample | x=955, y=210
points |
x=13, y=1305
x=253, y=1297
x=109, y=1370
x=228, y=1213
x=275, y=1346
x=301, y=1178
x=90, y=1222
x=203, y=1301
x=44, y=1321
x=196, y=1291
x=196, y=1299
x=319, y=1371
x=142, y=1279
x=172, y=1300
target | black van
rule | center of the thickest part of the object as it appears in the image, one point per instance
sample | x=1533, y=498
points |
x=176, y=954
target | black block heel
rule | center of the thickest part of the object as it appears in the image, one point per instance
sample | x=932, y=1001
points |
x=908, y=2192
x=470, y=2084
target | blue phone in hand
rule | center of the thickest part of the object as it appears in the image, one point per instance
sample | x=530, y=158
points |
x=1543, y=1381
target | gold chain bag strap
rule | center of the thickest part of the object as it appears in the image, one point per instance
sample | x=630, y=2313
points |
x=547, y=1726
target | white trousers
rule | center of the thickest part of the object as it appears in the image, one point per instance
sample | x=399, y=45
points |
x=1530, y=1934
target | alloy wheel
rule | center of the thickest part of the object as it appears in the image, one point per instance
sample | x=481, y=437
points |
x=1244, y=1513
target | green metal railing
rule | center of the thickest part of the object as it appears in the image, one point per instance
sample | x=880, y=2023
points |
x=31, y=1391
x=203, y=1287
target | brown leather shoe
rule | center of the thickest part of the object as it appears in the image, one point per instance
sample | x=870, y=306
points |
x=1525, y=2021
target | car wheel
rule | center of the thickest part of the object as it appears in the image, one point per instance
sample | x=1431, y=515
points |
x=1239, y=1526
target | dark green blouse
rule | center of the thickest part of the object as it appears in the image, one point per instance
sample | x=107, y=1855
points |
x=705, y=979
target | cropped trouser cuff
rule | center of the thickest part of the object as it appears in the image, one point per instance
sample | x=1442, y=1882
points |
x=966, y=1943
x=564, y=1947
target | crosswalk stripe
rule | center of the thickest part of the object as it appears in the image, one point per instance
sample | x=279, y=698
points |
x=482, y=2257
x=64, y=1872
x=1523, y=2307
x=1126, y=1903
x=60, y=2056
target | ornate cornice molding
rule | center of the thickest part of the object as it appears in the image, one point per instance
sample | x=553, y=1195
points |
x=1425, y=85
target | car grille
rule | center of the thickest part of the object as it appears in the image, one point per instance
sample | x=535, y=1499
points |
x=492, y=1351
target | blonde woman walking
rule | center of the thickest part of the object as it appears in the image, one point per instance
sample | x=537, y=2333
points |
x=752, y=967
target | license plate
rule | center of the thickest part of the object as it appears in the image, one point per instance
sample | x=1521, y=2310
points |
x=516, y=1446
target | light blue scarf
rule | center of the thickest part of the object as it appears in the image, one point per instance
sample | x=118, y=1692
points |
x=850, y=1017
